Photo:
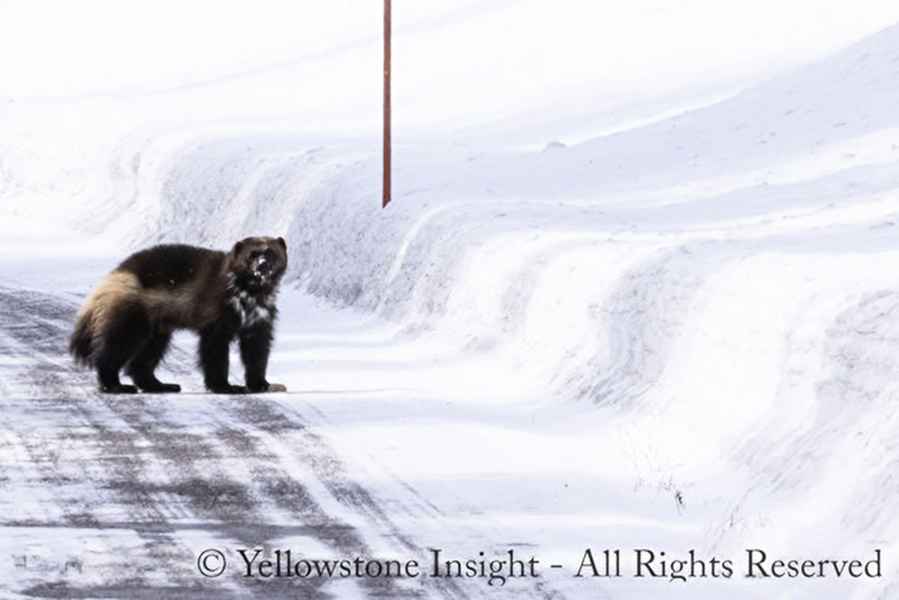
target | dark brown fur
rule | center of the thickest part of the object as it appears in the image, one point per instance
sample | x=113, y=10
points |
x=128, y=320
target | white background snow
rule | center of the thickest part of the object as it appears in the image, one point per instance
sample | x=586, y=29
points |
x=638, y=285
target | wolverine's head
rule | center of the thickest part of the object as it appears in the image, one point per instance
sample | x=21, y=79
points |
x=258, y=263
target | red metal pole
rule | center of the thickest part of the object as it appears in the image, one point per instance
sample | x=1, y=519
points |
x=385, y=198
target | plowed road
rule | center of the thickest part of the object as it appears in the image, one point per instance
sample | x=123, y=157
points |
x=115, y=496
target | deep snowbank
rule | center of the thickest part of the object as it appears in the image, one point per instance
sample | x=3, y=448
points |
x=485, y=242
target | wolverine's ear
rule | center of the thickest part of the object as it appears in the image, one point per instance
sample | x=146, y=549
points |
x=237, y=248
x=283, y=243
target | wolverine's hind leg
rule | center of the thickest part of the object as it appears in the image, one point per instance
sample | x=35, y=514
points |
x=142, y=366
x=124, y=334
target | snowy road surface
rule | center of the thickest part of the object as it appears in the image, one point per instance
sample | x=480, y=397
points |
x=115, y=496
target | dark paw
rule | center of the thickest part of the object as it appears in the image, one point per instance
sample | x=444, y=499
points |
x=227, y=389
x=118, y=389
x=161, y=388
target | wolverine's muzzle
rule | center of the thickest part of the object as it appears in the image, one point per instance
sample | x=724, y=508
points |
x=262, y=269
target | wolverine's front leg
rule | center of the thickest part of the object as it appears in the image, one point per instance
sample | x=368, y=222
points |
x=255, y=346
x=214, y=343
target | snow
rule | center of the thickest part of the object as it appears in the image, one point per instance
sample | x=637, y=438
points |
x=636, y=287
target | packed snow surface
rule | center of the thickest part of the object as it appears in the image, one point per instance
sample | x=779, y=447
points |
x=638, y=287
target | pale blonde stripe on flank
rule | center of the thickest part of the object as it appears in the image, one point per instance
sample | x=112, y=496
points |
x=115, y=288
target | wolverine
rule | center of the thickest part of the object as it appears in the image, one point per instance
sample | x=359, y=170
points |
x=128, y=320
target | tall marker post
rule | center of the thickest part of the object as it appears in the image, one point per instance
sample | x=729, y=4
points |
x=385, y=192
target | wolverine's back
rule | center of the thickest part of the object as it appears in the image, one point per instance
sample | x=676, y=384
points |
x=180, y=286
x=173, y=265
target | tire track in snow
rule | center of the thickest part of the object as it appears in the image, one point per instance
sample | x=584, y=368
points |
x=82, y=433
x=304, y=448
x=142, y=479
x=168, y=477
